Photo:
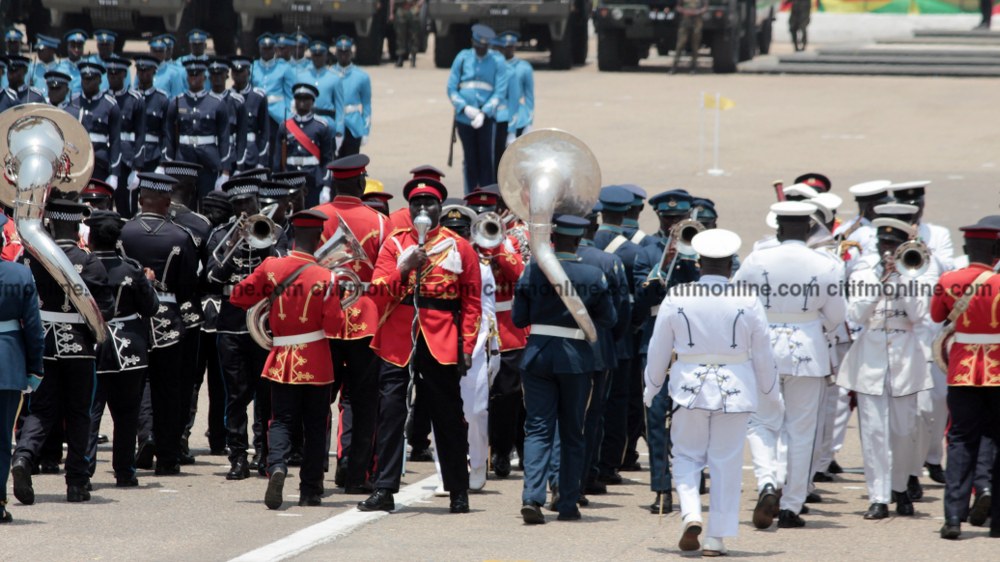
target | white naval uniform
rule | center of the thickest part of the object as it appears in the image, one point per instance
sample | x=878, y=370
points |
x=724, y=371
x=886, y=368
x=932, y=404
x=804, y=301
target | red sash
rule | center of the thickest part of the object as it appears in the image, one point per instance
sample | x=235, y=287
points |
x=300, y=135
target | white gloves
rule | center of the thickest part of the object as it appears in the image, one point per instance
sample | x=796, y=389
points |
x=511, y=137
x=113, y=181
x=324, y=195
x=478, y=120
x=222, y=179
x=133, y=181
x=648, y=393
x=339, y=140
x=471, y=112
x=364, y=140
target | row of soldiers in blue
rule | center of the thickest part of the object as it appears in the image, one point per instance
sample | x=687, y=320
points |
x=257, y=121
x=493, y=95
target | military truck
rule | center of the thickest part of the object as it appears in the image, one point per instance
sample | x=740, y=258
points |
x=734, y=30
x=557, y=26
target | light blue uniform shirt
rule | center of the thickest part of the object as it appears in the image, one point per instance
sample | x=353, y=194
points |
x=276, y=77
x=524, y=75
x=326, y=81
x=356, y=93
x=479, y=82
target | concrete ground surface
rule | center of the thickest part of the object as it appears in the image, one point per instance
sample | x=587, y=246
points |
x=643, y=127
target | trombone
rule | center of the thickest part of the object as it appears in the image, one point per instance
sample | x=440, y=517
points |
x=256, y=231
x=681, y=235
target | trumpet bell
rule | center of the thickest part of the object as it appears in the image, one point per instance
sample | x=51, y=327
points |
x=261, y=232
x=488, y=231
x=684, y=232
x=912, y=258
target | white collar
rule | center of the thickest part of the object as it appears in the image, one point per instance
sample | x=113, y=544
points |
x=304, y=118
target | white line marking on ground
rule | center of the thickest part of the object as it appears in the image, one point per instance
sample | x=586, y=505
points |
x=336, y=527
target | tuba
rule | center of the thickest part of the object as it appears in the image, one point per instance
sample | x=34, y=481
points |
x=44, y=147
x=542, y=173
x=339, y=250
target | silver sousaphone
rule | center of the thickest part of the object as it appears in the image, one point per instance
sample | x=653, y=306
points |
x=43, y=147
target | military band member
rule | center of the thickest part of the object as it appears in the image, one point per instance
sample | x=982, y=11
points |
x=47, y=62
x=400, y=218
x=973, y=375
x=74, y=40
x=325, y=79
x=723, y=371
x=97, y=195
x=631, y=220
x=354, y=116
x=58, y=89
x=258, y=133
x=476, y=86
x=378, y=200
x=70, y=354
x=123, y=359
x=799, y=292
x=937, y=238
x=168, y=77
x=295, y=185
x=242, y=360
x=133, y=133
x=859, y=229
x=276, y=77
x=306, y=143
x=448, y=307
x=218, y=76
x=155, y=103
x=299, y=364
x=23, y=341
x=198, y=130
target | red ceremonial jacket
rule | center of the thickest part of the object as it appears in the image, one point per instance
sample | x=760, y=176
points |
x=371, y=229
x=307, y=306
x=12, y=248
x=971, y=364
x=450, y=280
x=507, y=266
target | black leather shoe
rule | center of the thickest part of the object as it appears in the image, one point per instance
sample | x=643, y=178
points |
x=595, y=488
x=555, y=499
x=822, y=477
x=186, y=459
x=144, y=455
x=952, y=528
x=612, y=479
x=813, y=497
x=275, y=488
x=913, y=488
x=76, y=494
x=421, y=455
x=582, y=501
x=254, y=462
x=126, y=482
x=935, y=472
x=295, y=458
x=240, y=470
x=501, y=465
x=767, y=505
x=569, y=516
x=877, y=511
x=5, y=515
x=904, y=506
x=20, y=472
x=88, y=486
x=980, y=509
x=804, y=510
x=167, y=469
x=102, y=439
x=532, y=514
x=631, y=463
x=380, y=500
x=310, y=500
x=668, y=503
x=788, y=519
x=49, y=467
x=459, y=502
x=834, y=468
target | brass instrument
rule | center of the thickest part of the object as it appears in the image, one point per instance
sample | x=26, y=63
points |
x=543, y=173
x=912, y=258
x=488, y=231
x=339, y=250
x=44, y=147
x=256, y=231
x=681, y=235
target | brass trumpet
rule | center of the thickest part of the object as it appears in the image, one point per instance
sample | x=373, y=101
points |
x=911, y=259
x=681, y=235
x=256, y=231
x=488, y=231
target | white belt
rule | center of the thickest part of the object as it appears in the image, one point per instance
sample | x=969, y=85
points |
x=557, y=332
x=96, y=137
x=654, y=310
x=61, y=317
x=118, y=319
x=356, y=108
x=478, y=84
x=128, y=137
x=299, y=339
x=274, y=99
x=505, y=306
x=977, y=338
x=302, y=161
x=167, y=297
x=197, y=140
x=792, y=317
x=714, y=359
x=152, y=138
x=251, y=137
x=10, y=325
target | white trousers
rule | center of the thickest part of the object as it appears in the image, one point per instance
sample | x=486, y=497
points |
x=841, y=419
x=715, y=439
x=888, y=442
x=823, y=446
x=797, y=430
x=475, y=387
x=932, y=420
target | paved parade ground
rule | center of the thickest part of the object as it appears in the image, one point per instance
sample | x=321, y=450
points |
x=643, y=127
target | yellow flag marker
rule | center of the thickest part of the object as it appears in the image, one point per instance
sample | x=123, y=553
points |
x=722, y=103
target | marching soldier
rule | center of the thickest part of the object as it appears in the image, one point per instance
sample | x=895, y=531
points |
x=58, y=88
x=198, y=130
x=447, y=270
x=722, y=372
x=170, y=252
x=378, y=200
x=47, y=62
x=306, y=143
x=295, y=183
x=354, y=116
x=859, y=229
x=275, y=77
x=299, y=365
x=797, y=322
x=123, y=359
x=155, y=103
x=133, y=134
x=351, y=346
x=75, y=40
x=218, y=75
x=476, y=86
x=168, y=78
x=320, y=75
x=65, y=393
x=99, y=113
x=254, y=109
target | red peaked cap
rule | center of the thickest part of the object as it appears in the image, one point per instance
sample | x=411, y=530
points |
x=425, y=186
x=349, y=166
x=308, y=218
x=481, y=198
x=97, y=188
x=427, y=171
x=815, y=180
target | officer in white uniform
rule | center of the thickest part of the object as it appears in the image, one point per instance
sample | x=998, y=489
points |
x=724, y=370
x=800, y=291
x=886, y=368
x=859, y=229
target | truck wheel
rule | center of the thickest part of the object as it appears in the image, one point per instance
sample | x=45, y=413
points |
x=725, y=50
x=748, y=38
x=369, y=49
x=609, y=44
x=445, y=50
x=561, y=52
x=764, y=35
x=631, y=53
x=581, y=42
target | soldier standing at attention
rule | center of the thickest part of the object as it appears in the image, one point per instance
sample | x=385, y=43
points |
x=218, y=77
x=320, y=75
x=58, y=89
x=47, y=61
x=18, y=91
x=354, y=117
x=75, y=40
x=155, y=102
x=275, y=77
x=404, y=15
x=476, y=86
x=306, y=143
x=169, y=77
x=691, y=12
x=197, y=43
x=133, y=133
x=100, y=115
x=258, y=133
x=522, y=72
